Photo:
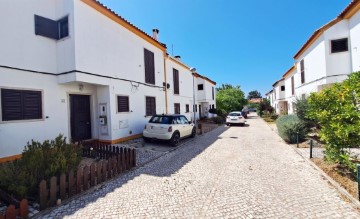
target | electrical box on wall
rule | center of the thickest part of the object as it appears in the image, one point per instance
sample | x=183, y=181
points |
x=103, y=123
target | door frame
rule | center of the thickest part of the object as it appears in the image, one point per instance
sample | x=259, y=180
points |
x=91, y=111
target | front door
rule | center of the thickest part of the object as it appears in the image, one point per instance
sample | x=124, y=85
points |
x=80, y=117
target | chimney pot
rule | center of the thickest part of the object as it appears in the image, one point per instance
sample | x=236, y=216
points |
x=178, y=58
x=155, y=34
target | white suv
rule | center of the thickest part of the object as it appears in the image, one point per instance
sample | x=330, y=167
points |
x=168, y=127
x=235, y=117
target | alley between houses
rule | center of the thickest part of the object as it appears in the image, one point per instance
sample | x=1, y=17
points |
x=236, y=172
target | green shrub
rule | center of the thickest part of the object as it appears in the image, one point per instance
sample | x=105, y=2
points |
x=288, y=126
x=39, y=161
x=274, y=116
x=218, y=120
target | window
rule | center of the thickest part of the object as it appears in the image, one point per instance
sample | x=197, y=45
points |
x=187, y=108
x=340, y=45
x=176, y=80
x=213, y=106
x=195, y=108
x=123, y=104
x=213, y=93
x=184, y=120
x=21, y=104
x=292, y=86
x=282, y=88
x=177, y=108
x=302, y=69
x=150, y=106
x=149, y=67
x=200, y=87
x=50, y=28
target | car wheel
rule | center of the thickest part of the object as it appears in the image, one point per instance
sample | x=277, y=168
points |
x=193, y=132
x=242, y=124
x=175, y=139
x=146, y=139
x=228, y=124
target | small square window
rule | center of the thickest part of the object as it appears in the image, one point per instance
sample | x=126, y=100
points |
x=282, y=88
x=123, y=104
x=200, y=87
x=340, y=45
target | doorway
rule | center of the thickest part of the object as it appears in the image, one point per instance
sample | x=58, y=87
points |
x=80, y=119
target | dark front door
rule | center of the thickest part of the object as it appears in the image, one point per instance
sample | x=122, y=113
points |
x=199, y=111
x=80, y=117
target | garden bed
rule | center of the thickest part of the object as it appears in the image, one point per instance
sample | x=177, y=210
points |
x=340, y=175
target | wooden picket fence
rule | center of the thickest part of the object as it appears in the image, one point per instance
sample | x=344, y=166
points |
x=13, y=212
x=118, y=160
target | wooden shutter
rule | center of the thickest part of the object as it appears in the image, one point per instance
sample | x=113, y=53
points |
x=149, y=67
x=46, y=27
x=123, y=104
x=20, y=104
x=302, y=69
x=213, y=93
x=177, y=108
x=187, y=108
x=176, y=81
x=63, y=27
x=292, y=86
x=150, y=106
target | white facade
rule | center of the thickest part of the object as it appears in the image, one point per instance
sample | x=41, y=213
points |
x=206, y=97
x=101, y=59
x=322, y=66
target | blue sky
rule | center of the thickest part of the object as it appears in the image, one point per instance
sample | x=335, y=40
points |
x=241, y=42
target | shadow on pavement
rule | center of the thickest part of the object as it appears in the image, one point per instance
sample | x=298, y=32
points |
x=165, y=166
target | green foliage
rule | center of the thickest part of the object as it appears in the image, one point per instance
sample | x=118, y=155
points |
x=218, y=120
x=253, y=105
x=265, y=106
x=254, y=94
x=336, y=110
x=288, y=126
x=230, y=98
x=39, y=161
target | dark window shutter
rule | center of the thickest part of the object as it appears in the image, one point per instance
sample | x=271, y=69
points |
x=149, y=67
x=20, y=104
x=63, y=27
x=213, y=95
x=302, y=69
x=46, y=27
x=123, y=104
x=292, y=86
x=177, y=108
x=187, y=108
x=176, y=81
x=150, y=106
x=340, y=45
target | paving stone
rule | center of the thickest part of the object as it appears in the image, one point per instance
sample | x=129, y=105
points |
x=236, y=172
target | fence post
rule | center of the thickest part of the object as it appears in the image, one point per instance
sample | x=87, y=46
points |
x=358, y=179
x=311, y=148
x=297, y=139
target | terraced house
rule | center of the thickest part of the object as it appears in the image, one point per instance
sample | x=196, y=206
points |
x=77, y=68
x=330, y=54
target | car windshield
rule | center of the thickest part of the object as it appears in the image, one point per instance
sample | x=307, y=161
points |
x=161, y=119
x=234, y=114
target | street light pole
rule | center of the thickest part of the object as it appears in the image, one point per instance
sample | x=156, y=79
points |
x=193, y=70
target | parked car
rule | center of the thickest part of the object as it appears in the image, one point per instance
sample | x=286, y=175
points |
x=244, y=114
x=251, y=109
x=168, y=127
x=235, y=118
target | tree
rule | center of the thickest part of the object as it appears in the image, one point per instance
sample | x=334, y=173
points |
x=336, y=110
x=229, y=98
x=254, y=94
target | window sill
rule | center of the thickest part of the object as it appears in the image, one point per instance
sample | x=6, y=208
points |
x=22, y=121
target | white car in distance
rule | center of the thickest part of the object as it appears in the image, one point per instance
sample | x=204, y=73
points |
x=168, y=127
x=235, y=118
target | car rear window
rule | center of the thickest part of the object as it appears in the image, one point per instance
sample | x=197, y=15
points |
x=161, y=119
x=234, y=114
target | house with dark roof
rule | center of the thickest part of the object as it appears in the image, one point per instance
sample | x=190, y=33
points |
x=77, y=68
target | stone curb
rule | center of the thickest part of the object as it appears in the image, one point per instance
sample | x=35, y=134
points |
x=337, y=186
x=40, y=214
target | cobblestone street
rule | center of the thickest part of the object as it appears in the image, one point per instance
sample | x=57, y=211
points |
x=236, y=172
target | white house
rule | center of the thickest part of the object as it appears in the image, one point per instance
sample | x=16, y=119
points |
x=327, y=57
x=75, y=67
x=280, y=103
x=206, y=95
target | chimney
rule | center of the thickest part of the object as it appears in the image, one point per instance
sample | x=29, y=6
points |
x=178, y=58
x=156, y=34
